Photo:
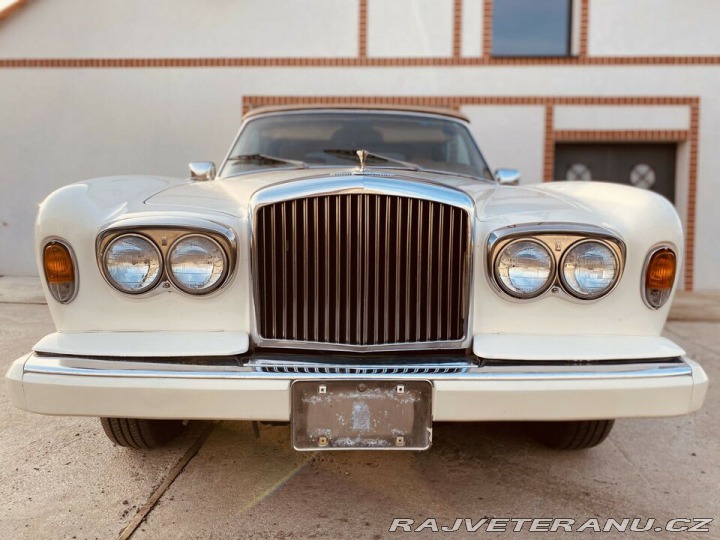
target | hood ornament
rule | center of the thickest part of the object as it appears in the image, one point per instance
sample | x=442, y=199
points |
x=362, y=158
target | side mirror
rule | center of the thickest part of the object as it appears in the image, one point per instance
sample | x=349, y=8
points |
x=507, y=177
x=202, y=170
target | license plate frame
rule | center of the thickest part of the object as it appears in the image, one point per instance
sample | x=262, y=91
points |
x=360, y=414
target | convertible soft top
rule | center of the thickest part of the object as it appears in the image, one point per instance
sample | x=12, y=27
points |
x=357, y=106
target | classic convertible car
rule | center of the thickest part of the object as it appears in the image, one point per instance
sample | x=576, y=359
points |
x=360, y=273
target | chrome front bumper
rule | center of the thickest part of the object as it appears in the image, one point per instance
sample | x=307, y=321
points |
x=465, y=391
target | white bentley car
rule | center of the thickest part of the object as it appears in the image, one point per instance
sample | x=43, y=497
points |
x=360, y=273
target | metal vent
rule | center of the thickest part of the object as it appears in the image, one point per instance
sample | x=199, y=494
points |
x=361, y=269
x=274, y=366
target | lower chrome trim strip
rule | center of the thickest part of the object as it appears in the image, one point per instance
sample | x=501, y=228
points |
x=122, y=368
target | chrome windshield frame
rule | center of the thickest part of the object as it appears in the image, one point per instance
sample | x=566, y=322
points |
x=222, y=169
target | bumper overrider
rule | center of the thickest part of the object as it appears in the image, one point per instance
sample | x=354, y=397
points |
x=258, y=386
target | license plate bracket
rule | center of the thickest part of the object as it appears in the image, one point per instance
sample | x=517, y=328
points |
x=356, y=414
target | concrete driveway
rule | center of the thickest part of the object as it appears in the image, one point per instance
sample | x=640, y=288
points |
x=61, y=478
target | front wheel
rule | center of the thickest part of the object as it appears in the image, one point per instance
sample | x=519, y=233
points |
x=575, y=435
x=140, y=433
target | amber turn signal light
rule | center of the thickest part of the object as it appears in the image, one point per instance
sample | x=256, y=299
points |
x=659, y=277
x=59, y=268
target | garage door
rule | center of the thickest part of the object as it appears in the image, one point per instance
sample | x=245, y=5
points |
x=646, y=166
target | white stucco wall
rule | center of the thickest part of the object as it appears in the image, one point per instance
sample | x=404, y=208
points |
x=471, y=40
x=625, y=117
x=181, y=28
x=654, y=27
x=500, y=131
x=409, y=28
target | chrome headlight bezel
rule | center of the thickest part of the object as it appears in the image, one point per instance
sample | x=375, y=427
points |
x=164, y=232
x=558, y=239
x=177, y=282
x=515, y=293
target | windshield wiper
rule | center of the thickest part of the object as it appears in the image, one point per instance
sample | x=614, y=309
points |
x=354, y=155
x=263, y=159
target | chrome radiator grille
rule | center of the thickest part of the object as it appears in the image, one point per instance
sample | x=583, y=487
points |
x=361, y=269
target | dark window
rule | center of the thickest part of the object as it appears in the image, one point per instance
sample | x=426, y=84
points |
x=531, y=27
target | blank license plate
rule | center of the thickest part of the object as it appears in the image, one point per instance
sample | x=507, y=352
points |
x=361, y=415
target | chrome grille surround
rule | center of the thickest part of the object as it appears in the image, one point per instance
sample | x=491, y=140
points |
x=368, y=323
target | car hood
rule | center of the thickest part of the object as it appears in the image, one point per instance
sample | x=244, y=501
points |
x=500, y=204
x=232, y=195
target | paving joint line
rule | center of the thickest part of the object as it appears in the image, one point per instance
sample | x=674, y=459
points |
x=148, y=507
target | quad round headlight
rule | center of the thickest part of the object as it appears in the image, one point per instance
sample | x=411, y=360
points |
x=524, y=268
x=197, y=264
x=133, y=264
x=589, y=269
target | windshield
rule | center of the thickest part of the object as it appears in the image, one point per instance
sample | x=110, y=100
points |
x=318, y=139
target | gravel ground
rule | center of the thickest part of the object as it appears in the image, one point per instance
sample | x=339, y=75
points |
x=61, y=478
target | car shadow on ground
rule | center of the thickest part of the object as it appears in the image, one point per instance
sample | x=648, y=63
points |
x=478, y=438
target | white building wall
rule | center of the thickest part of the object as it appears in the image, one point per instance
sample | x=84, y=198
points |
x=623, y=117
x=654, y=27
x=402, y=28
x=181, y=28
x=472, y=28
x=707, y=256
x=500, y=131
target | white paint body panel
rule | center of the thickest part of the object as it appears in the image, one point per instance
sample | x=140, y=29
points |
x=569, y=399
x=581, y=348
x=248, y=396
x=145, y=344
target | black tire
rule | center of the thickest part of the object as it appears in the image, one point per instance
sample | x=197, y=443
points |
x=140, y=433
x=575, y=435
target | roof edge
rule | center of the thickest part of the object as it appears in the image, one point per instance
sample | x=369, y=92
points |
x=356, y=106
